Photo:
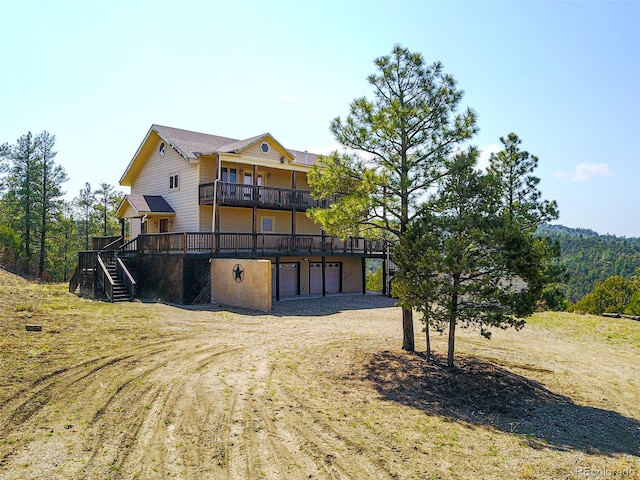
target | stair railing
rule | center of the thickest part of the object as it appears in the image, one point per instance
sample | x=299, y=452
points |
x=114, y=245
x=127, y=278
x=104, y=279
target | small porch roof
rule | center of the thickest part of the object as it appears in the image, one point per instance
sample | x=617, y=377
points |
x=152, y=205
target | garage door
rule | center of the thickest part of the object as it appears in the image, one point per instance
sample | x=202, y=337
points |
x=333, y=276
x=289, y=279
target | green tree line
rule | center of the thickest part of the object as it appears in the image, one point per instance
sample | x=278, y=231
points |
x=591, y=258
x=40, y=231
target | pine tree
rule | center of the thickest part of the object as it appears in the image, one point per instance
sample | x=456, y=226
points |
x=22, y=189
x=107, y=200
x=399, y=142
x=85, y=203
x=52, y=177
x=474, y=262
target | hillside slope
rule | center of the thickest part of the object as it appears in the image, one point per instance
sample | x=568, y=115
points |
x=591, y=258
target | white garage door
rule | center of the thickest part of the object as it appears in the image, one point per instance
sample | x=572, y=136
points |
x=289, y=279
x=333, y=274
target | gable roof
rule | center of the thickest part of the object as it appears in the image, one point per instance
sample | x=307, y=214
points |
x=145, y=204
x=191, y=145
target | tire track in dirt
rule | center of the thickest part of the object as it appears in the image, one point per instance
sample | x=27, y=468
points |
x=145, y=402
x=329, y=452
x=85, y=382
x=186, y=422
x=25, y=403
x=204, y=405
x=275, y=435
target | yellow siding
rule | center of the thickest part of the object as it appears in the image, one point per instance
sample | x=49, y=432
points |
x=282, y=220
x=255, y=151
x=301, y=181
x=206, y=219
x=279, y=178
x=153, y=179
x=306, y=226
x=235, y=220
x=208, y=170
x=263, y=161
x=129, y=212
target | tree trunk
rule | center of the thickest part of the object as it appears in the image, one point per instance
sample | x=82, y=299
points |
x=408, y=342
x=43, y=221
x=452, y=341
x=453, y=315
x=427, y=353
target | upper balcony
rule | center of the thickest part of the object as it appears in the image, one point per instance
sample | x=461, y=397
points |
x=239, y=195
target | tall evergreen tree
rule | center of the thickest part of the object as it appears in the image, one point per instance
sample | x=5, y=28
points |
x=517, y=187
x=107, y=200
x=22, y=187
x=52, y=177
x=64, y=243
x=84, y=203
x=474, y=261
x=399, y=141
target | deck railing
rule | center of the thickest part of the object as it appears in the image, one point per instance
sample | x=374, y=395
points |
x=239, y=195
x=248, y=243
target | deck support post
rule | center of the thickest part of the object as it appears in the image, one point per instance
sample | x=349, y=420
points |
x=364, y=275
x=324, y=276
x=277, y=279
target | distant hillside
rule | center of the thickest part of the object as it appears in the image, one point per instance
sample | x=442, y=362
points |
x=591, y=258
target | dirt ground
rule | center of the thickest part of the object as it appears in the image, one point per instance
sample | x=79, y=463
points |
x=319, y=389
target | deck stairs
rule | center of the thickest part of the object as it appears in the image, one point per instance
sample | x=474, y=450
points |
x=120, y=293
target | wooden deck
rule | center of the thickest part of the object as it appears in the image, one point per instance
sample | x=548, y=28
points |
x=248, y=244
x=239, y=195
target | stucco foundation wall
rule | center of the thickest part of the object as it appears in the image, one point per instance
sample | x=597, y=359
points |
x=241, y=282
x=351, y=274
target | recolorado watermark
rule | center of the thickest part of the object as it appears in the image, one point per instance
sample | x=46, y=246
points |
x=594, y=472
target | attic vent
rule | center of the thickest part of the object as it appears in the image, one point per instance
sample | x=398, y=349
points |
x=264, y=146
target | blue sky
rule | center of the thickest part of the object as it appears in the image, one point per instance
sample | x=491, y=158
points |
x=564, y=76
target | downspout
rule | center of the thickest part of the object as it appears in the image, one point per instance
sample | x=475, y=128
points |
x=215, y=200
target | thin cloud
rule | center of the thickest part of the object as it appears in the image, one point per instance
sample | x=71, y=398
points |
x=585, y=172
x=287, y=98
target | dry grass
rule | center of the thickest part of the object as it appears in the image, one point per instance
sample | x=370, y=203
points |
x=152, y=391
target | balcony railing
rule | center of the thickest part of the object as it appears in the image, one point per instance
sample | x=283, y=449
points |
x=251, y=244
x=239, y=195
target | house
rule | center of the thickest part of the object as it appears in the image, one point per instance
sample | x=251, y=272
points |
x=198, y=198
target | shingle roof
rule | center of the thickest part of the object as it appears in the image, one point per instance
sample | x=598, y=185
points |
x=149, y=203
x=306, y=158
x=191, y=144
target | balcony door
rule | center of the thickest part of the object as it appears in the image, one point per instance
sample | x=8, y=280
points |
x=248, y=180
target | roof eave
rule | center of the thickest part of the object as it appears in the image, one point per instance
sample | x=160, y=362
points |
x=126, y=181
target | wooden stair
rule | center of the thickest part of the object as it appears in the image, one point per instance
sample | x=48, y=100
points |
x=120, y=293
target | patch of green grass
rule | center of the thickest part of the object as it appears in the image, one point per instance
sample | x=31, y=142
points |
x=611, y=330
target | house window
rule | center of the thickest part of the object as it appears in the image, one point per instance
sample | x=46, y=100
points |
x=264, y=146
x=174, y=181
x=162, y=149
x=229, y=174
x=267, y=224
